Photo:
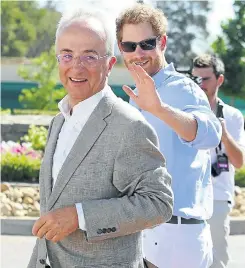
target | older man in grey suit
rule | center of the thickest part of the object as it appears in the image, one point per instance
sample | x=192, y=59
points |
x=103, y=179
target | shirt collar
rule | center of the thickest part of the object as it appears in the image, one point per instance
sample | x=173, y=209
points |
x=64, y=107
x=220, y=101
x=163, y=74
x=82, y=109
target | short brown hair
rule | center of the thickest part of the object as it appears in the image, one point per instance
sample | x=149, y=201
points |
x=140, y=13
x=210, y=60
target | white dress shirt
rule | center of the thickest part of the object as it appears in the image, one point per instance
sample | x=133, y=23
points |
x=70, y=130
x=223, y=185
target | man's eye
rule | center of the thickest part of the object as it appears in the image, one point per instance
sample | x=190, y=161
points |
x=91, y=58
x=67, y=57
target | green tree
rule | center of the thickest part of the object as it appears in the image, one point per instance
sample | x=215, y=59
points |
x=187, y=22
x=231, y=48
x=17, y=29
x=45, y=31
x=27, y=29
x=43, y=71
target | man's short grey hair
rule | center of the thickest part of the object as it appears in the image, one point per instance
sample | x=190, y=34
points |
x=82, y=15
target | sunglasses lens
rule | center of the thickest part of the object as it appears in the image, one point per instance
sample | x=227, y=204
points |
x=128, y=46
x=148, y=44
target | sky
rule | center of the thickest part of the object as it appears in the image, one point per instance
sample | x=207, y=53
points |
x=221, y=10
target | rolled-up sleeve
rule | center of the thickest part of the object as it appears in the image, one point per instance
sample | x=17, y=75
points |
x=209, y=129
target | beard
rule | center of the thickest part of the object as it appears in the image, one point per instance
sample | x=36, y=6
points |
x=151, y=67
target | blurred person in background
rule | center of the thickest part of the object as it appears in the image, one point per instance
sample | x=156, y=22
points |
x=230, y=153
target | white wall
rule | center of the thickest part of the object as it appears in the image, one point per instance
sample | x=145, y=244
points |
x=118, y=76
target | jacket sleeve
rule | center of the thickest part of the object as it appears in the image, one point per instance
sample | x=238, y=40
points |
x=34, y=255
x=141, y=177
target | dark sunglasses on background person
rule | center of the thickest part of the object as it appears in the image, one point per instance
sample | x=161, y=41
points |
x=197, y=79
x=147, y=44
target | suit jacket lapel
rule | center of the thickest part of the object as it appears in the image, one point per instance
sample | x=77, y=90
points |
x=49, y=153
x=85, y=141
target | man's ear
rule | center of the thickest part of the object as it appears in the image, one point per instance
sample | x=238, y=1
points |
x=220, y=80
x=112, y=62
x=163, y=42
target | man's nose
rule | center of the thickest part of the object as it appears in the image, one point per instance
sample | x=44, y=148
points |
x=139, y=51
x=202, y=84
x=78, y=63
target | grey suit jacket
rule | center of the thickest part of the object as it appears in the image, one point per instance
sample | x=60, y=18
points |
x=118, y=174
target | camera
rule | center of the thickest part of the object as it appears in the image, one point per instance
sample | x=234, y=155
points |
x=222, y=163
x=215, y=170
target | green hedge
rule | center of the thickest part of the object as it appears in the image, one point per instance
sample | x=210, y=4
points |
x=240, y=177
x=34, y=112
x=19, y=168
x=27, y=112
x=37, y=137
x=23, y=168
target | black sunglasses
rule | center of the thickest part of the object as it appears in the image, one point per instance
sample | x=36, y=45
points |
x=147, y=44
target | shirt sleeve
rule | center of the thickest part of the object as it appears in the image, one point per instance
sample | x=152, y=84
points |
x=209, y=129
x=237, y=130
x=81, y=219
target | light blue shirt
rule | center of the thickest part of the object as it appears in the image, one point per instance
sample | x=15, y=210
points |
x=188, y=163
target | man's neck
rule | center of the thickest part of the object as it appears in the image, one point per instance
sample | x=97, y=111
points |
x=163, y=65
x=213, y=103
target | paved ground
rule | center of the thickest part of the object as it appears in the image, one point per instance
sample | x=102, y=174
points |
x=16, y=250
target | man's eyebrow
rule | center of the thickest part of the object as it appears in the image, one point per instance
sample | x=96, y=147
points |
x=85, y=51
x=66, y=50
x=90, y=51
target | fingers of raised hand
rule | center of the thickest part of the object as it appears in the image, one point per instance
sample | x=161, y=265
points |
x=134, y=74
x=142, y=74
x=129, y=92
x=139, y=75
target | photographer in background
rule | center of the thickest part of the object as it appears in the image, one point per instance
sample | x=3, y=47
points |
x=226, y=157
